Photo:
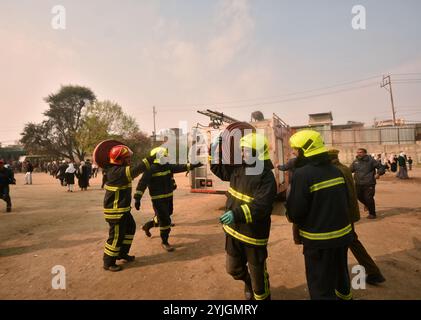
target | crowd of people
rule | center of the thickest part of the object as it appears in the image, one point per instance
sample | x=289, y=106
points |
x=322, y=205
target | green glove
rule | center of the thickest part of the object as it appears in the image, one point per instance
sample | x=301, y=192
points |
x=227, y=217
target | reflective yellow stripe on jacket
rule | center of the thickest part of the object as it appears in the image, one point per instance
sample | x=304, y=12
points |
x=128, y=174
x=247, y=213
x=160, y=174
x=242, y=237
x=147, y=165
x=240, y=196
x=326, y=235
x=327, y=184
x=162, y=196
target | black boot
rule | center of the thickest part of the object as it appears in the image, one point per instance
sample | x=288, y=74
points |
x=126, y=257
x=148, y=226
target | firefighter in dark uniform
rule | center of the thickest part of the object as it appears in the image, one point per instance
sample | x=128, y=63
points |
x=318, y=204
x=247, y=219
x=6, y=178
x=160, y=182
x=153, y=223
x=117, y=200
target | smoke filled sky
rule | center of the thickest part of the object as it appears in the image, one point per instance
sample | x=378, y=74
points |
x=234, y=56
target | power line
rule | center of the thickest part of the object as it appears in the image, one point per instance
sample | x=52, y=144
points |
x=277, y=96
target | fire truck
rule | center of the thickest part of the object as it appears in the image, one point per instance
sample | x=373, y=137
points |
x=202, y=180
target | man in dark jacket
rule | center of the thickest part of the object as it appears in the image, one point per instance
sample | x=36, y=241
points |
x=318, y=204
x=366, y=170
x=6, y=178
x=374, y=276
x=247, y=221
x=159, y=180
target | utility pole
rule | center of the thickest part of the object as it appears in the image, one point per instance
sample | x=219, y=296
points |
x=388, y=82
x=154, y=128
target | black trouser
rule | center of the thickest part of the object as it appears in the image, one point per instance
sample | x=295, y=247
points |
x=365, y=194
x=239, y=257
x=363, y=257
x=4, y=194
x=120, y=238
x=163, y=210
x=327, y=273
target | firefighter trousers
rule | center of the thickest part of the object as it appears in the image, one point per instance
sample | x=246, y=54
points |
x=362, y=256
x=163, y=210
x=248, y=263
x=327, y=273
x=120, y=238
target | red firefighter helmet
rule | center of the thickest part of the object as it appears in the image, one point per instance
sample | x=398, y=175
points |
x=119, y=153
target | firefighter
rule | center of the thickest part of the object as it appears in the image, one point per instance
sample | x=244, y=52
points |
x=318, y=204
x=117, y=201
x=154, y=221
x=6, y=178
x=160, y=182
x=247, y=219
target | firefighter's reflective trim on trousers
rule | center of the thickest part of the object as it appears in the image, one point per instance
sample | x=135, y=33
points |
x=327, y=184
x=113, y=216
x=160, y=174
x=128, y=174
x=162, y=196
x=117, y=210
x=147, y=165
x=326, y=235
x=110, y=247
x=155, y=219
x=107, y=249
x=110, y=253
x=246, y=239
x=240, y=196
x=165, y=228
x=114, y=189
x=247, y=213
x=128, y=239
x=266, y=294
x=343, y=296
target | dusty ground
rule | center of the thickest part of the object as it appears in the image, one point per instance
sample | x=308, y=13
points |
x=51, y=227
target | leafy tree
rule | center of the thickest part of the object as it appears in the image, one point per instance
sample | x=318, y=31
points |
x=57, y=135
x=107, y=120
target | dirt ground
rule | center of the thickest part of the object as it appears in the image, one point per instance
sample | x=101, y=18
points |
x=49, y=227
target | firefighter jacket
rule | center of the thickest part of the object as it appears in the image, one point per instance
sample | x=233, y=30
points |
x=250, y=198
x=318, y=204
x=6, y=177
x=364, y=170
x=118, y=190
x=160, y=181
